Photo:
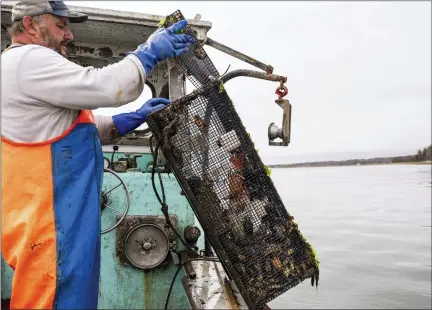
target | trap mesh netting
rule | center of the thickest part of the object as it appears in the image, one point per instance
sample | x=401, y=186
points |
x=228, y=186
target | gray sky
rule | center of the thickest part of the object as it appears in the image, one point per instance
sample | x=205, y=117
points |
x=359, y=73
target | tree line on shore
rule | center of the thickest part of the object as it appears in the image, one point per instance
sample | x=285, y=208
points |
x=422, y=155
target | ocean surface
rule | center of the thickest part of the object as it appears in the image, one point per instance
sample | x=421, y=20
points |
x=370, y=226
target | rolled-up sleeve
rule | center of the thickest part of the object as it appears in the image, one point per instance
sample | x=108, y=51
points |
x=51, y=79
x=106, y=128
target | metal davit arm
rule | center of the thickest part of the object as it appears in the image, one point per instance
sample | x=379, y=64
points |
x=253, y=74
x=228, y=50
x=274, y=132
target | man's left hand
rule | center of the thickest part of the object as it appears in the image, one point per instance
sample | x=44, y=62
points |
x=126, y=122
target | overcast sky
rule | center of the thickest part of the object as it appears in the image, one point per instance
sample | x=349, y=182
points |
x=359, y=73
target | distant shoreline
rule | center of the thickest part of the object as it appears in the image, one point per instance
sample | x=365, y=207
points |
x=423, y=157
x=323, y=164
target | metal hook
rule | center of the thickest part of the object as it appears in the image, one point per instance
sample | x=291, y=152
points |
x=282, y=90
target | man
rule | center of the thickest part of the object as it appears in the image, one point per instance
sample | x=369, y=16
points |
x=52, y=164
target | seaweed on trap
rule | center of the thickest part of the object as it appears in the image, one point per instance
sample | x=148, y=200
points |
x=227, y=186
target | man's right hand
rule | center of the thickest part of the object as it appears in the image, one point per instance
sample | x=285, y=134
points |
x=164, y=43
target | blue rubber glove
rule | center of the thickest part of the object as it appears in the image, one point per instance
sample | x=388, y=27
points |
x=126, y=122
x=164, y=43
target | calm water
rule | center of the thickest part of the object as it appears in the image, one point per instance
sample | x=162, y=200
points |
x=370, y=226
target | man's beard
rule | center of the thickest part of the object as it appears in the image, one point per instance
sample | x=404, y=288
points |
x=50, y=41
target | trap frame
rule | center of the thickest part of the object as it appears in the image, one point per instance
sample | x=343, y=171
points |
x=227, y=185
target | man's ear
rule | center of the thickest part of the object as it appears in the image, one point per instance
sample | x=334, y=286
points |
x=29, y=26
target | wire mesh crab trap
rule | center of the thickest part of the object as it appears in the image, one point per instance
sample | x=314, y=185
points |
x=214, y=159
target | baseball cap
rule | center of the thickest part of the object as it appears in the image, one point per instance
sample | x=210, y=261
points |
x=33, y=8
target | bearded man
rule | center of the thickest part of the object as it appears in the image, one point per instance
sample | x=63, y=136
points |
x=52, y=163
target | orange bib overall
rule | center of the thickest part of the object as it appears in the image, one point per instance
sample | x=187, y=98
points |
x=51, y=223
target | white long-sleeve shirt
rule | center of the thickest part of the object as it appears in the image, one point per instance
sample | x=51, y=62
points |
x=42, y=92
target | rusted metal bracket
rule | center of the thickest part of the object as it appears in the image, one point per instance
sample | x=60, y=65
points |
x=228, y=50
x=283, y=133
